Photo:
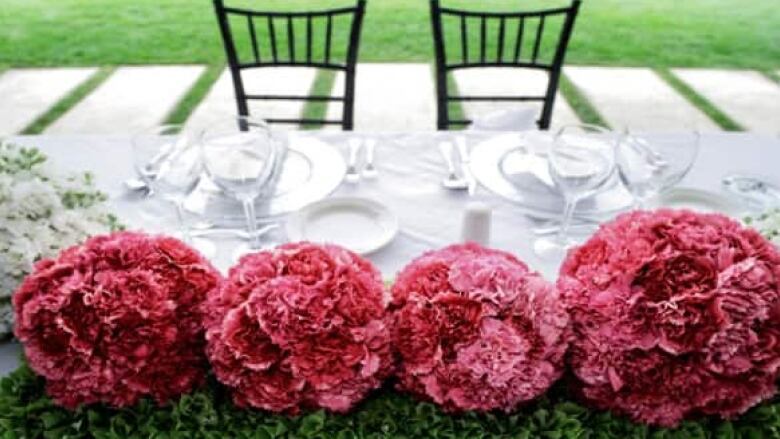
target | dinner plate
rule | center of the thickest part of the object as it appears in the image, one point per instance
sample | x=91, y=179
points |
x=359, y=224
x=311, y=170
x=514, y=166
x=697, y=200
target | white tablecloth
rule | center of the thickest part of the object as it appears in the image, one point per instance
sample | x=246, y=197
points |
x=410, y=171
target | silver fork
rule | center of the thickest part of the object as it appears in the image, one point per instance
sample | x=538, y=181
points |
x=234, y=233
x=352, y=175
x=369, y=171
x=452, y=181
x=465, y=163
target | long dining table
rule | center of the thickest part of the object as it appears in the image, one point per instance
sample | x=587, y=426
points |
x=410, y=172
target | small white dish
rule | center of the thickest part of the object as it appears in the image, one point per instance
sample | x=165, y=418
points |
x=697, y=200
x=359, y=224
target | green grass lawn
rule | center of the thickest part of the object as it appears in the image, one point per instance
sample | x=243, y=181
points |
x=737, y=33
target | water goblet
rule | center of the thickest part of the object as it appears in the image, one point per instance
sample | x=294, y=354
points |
x=581, y=161
x=649, y=165
x=168, y=160
x=240, y=155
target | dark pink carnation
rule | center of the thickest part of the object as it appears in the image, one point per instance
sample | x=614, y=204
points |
x=302, y=326
x=476, y=330
x=675, y=314
x=116, y=319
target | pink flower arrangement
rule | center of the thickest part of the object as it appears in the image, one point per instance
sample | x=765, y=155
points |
x=299, y=327
x=675, y=314
x=476, y=330
x=116, y=319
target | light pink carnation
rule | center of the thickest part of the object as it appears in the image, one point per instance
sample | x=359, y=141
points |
x=476, y=330
x=675, y=314
x=300, y=327
x=116, y=319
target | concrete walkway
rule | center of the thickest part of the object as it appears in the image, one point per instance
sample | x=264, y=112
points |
x=28, y=93
x=335, y=110
x=394, y=97
x=637, y=98
x=221, y=103
x=749, y=98
x=389, y=97
x=132, y=99
x=509, y=82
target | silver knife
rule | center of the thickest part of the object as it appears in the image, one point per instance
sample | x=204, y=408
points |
x=465, y=167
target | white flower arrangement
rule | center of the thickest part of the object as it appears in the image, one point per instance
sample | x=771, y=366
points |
x=41, y=212
x=768, y=224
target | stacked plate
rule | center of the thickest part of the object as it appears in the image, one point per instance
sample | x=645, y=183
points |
x=310, y=171
x=514, y=166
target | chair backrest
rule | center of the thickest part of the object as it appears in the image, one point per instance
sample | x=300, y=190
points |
x=518, y=41
x=271, y=41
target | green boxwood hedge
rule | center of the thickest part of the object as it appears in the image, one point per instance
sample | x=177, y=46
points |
x=26, y=412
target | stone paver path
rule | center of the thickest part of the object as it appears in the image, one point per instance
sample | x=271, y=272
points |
x=637, y=98
x=28, y=93
x=389, y=97
x=509, y=82
x=335, y=109
x=749, y=98
x=394, y=97
x=220, y=101
x=132, y=99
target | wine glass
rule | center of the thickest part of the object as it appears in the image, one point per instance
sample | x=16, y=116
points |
x=581, y=161
x=649, y=165
x=239, y=154
x=168, y=160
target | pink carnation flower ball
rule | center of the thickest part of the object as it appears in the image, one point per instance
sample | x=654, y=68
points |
x=675, y=314
x=476, y=330
x=300, y=327
x=116, y=319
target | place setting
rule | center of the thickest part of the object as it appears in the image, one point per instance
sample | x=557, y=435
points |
x=571, y=179
x=239, y=180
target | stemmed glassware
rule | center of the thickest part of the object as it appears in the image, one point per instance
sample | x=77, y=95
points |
x=581, y=161
x=649, y=166
x=240, y=155
x=168, y=160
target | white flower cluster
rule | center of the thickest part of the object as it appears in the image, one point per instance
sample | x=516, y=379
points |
x=41, y=213
x=768, y=224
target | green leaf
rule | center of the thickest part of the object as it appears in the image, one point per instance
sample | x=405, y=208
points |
x=208, y=413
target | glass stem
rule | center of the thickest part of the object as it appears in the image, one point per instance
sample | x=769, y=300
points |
x=183, y=228
x=251, y=223
x=638, y=203
x=568, y=214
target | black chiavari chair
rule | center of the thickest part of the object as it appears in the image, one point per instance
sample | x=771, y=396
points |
x=272, y=42
x=515, y=32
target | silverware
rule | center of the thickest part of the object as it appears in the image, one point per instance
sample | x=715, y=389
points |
x=232, y=233
x=136, y=184
x=465, y=160
x=369, y=171
x=352, y=175
x=757, y=193
x=453, y=180
x=578, y=228
x=168, y=151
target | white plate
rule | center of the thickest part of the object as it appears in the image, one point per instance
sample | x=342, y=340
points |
x=312, y=170
x=514, y=166
x=359, y=224
x=697, y=200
